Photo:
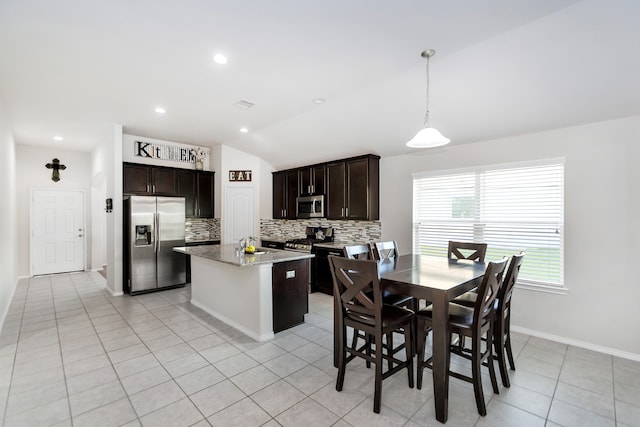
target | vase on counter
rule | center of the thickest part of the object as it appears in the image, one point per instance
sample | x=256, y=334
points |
x=198, y=164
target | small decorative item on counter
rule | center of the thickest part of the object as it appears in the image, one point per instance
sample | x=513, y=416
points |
x=250, y=249
x=200, y=154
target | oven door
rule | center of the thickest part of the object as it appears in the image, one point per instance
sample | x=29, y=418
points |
x=310, y=207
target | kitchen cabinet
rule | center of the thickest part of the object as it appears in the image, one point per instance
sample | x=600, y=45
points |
x=353, y=188
x=289, y=293
x=321, y=274
x=187, y=188
x=148, y=180
x=205, y=194
x=197, y=189
x=312, y=180
x=285, y=191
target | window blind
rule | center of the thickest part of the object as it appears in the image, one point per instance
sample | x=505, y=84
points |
x=512, y=209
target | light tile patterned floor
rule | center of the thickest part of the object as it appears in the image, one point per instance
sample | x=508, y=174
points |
x=71, y=354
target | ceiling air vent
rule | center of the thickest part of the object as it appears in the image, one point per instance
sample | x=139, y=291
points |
x=244, y=105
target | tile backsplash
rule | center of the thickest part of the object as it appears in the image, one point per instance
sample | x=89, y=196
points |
x=282, y=229
x=197, y=229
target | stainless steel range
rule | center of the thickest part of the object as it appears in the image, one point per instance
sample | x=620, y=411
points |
x=314, y=235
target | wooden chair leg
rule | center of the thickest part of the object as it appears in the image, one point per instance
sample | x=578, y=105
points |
x=507, y=346
x=389, y=346
x=377, y=394
x=499, y=346
x=342, y=356
x=369, y=341
x=492, y=370
x=409, y=352
x=476, y=374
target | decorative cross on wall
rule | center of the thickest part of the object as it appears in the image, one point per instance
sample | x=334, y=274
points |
x=56, y=166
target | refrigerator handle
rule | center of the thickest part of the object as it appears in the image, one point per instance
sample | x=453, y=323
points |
x=155, y=232
x=157, y=220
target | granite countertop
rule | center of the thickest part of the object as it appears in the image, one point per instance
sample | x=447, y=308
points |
x=228, y=254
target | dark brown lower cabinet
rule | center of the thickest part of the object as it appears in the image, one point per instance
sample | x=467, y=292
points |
x=290, y=295
x=321, y=278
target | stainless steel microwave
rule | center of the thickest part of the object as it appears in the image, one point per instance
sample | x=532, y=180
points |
x=310, y=207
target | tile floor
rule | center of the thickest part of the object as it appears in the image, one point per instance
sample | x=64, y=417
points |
x=71, y=354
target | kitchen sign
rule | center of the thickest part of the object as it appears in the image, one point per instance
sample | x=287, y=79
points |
x=173, y=153
x=240, y=176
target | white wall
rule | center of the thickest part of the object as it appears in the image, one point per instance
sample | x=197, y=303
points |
x=8, y=243
x=602, y=215
x=32, y=173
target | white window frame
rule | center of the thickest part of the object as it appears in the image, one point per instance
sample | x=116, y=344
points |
x=559, y=288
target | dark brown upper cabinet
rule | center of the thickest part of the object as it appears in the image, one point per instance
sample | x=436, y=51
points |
x=353, y=188
x=205, y=194
x=148, y=180
x=285, y=191
x=197, y=188
x=312, y=180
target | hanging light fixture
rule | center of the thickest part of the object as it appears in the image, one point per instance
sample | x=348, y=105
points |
x=428, y=136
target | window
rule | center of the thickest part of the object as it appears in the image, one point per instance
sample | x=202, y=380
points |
x=511, y=208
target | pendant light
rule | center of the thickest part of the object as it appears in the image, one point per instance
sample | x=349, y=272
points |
x=428, y=136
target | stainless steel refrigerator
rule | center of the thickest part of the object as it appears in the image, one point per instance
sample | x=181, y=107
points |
x=153, y=227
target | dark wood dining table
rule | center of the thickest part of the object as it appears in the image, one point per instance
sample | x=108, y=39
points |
x=438, y=280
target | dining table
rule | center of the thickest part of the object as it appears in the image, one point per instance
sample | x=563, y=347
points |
x=437, y=280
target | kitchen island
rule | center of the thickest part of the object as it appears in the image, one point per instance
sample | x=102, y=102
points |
x=257, y=294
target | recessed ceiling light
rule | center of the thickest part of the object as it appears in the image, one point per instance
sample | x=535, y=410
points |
x=58, y=138
x=160, y=110
x=318, y=100
x=220, y=59
x=244, y=130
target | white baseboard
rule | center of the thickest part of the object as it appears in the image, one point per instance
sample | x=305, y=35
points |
x=576, y=343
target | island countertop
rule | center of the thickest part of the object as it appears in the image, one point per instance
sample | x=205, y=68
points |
x=229, y=254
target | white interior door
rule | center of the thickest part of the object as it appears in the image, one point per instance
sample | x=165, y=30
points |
x=239, y=215
x=57, y=231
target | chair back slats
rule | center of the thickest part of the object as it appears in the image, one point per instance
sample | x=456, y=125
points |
x=488, y=292
x=467, y=250
x=510, y=279
x=384, y=250
x=356, y=282
x=357, y=252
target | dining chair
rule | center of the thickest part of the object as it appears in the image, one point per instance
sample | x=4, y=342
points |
x=471, y=251
x=366, y=252
x=502, y=325
x=384, y=250
x=357, y=252
x=357, y=285
x=476, y=323
x=467, y=250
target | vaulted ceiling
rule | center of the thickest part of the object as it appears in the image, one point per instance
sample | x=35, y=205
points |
x=503, y=67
